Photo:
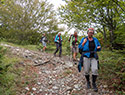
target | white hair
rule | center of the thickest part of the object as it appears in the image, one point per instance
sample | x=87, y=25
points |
x=59, y=33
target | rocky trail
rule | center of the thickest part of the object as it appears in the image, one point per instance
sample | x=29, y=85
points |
x=54, y=75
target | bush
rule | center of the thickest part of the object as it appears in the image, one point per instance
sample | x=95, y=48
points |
x=112, y=70
x=7, y=83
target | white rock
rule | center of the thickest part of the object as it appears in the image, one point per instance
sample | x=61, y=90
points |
x=76, y=86
x=50, y=82
x=63, y=85
x=47, y=72
x=36, y=62
x=55, y=87
x=40, y=90
x=27, y=88
x=40, y=72
x=89, y=94
x=27, y=51
x=17, y=49
x=105, y=86
x=38, y=83
x=54, y=71
x=68, y=88
x=50, y=77
x=74, y=89
x=68, y=92
x=69, y=64
x=34, y=89
x=31, y=94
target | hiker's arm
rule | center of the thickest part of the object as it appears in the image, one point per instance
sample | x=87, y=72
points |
x=84, y=41
x=80, y=44
x=98, y=46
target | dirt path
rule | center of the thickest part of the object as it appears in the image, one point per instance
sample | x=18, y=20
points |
x=55, y=76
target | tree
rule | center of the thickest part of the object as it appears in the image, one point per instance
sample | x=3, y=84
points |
x=103, y=14
x=24, y=17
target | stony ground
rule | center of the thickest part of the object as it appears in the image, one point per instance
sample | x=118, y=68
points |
x=54, y=75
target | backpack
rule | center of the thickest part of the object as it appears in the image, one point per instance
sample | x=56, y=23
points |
x=41, y=39
x=45, y=40
x=54, y=38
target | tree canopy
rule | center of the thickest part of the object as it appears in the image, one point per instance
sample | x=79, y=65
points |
x=23, y=18
x=106, y=16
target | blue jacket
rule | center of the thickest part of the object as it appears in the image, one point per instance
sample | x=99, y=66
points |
x=57, y=38
x=86, y=46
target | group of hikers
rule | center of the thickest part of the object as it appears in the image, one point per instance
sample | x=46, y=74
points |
x=88, y=47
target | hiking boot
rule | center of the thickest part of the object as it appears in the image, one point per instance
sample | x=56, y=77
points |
x=88, y=81
x=94, y=77
x=88, y=85
x=95, y=87
x=54, y=55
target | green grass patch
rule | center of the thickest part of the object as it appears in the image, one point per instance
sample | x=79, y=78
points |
x=7, y=75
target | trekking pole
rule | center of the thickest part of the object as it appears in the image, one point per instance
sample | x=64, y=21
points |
x=70, y=54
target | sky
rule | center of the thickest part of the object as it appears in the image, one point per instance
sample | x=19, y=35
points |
x=58, y=3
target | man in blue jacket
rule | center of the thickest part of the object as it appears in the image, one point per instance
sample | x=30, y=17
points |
x=90, y=45
x=58, y=42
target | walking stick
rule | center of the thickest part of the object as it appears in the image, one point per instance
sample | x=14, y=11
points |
x=70, y=54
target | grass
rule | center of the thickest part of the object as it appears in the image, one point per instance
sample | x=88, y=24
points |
x=7, y=75
x=50, y=47
x=12, y=78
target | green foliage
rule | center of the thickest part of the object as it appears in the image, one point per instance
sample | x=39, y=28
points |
x=104, y=15
x=112, y=70
x=22, y=21
x=7, y=76
x=120, y=35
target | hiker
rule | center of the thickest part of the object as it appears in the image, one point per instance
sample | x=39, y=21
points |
x=58, y=42
x=44, y=41
x=89, y=46
x=74, y=45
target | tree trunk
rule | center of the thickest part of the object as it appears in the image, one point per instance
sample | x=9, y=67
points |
x=112, y=38
x=104, y=34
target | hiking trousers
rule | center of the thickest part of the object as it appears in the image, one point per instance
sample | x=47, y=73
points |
x=90, y=63
x=58, y=47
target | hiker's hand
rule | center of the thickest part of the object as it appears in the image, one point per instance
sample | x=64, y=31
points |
x=71, y=47
x=98, y=47
x=85, y=40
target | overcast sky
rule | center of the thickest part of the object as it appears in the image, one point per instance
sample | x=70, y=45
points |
x=58, y=3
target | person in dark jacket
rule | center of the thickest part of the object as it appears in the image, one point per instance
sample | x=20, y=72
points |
x=58, y=42
x=90, y=45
